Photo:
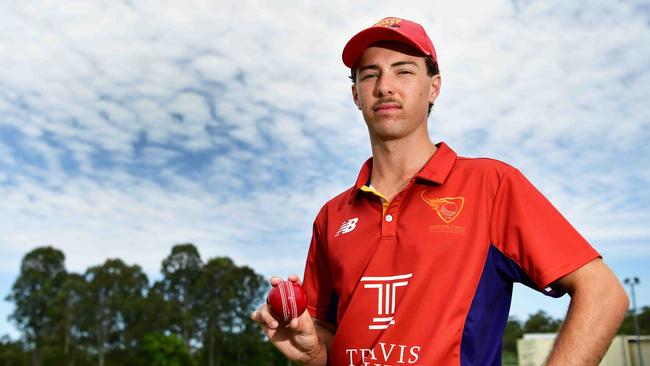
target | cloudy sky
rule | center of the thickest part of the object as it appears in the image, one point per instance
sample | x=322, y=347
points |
x=127, y=127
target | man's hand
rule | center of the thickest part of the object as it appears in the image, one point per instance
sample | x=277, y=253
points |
x=298, y=340
x=598, y=305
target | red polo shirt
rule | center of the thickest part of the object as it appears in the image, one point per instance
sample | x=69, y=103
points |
x=428, y=280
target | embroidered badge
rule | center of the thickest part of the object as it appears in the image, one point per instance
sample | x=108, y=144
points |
x=447, y=208
x=388, y=22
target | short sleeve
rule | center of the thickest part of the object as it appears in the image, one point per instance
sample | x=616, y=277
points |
x=321, y=298
x=526, y=228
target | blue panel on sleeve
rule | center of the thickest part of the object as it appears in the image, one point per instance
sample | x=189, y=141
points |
x=488, y=314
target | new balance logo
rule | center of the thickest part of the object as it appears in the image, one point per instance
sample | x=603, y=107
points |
x=386, y=290
x=347, y=226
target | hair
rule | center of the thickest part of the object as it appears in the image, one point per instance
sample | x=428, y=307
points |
x=432, y=70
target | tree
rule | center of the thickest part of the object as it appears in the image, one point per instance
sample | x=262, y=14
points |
x=112, y=307
x=157, y=310
x=250, y=289
x=513, y=332
x=180, y=270
x=110, y=316
x=12, y=353
x=216, y=289
x=66, y=314
x=628, y=327
x=541, y=322
x=42, y=274
x=229, y=294
x=162, y=350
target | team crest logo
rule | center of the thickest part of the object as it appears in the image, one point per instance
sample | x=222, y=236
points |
x=388, y=22
x=447, y=208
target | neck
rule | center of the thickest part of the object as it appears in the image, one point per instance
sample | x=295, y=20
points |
x=396, y=161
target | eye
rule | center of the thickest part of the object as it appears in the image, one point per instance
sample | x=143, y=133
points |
x=405, y=72
x=369, y=76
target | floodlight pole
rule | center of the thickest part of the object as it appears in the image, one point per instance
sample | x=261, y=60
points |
x=634, y=281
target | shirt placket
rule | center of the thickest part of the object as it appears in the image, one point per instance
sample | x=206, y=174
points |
x=391, y=215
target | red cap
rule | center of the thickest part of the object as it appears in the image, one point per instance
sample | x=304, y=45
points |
x=388, y=29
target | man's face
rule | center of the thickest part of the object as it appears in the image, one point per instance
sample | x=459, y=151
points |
x=393, y=90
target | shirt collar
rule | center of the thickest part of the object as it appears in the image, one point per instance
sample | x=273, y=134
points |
x=436, y=170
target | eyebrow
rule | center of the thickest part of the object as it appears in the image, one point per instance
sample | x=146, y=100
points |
x=393, y=65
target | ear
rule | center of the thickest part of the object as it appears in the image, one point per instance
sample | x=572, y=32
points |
x=434, y=89
x=355, y=96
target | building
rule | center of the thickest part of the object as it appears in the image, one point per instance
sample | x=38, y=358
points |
x=533, y=349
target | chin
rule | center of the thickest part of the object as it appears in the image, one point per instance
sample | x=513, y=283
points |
x=388, y=134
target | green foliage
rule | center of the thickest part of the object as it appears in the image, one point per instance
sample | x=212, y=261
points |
x=42, y=275
x=540, y=322
x=162, y=350
x=513, y=332
x=112, y=306
x=628, y=327
x=509, y=359
x=181, y=270
x=196, y=314
x=12, y=353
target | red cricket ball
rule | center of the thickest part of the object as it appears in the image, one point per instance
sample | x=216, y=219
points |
x=286, y=300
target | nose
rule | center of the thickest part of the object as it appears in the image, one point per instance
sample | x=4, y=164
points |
x=384, y=85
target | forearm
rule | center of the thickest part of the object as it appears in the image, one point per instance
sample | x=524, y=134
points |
x=594, y=315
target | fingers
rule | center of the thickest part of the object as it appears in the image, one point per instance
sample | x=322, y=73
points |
x=292, y=277
x=275, y=280
x=303, y=324
x=263, y=317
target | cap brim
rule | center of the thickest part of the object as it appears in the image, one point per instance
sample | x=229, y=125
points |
x=357, y=44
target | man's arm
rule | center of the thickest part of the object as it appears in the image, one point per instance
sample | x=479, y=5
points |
x=598, y=306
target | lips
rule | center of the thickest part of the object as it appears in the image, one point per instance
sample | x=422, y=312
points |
x=387, y=107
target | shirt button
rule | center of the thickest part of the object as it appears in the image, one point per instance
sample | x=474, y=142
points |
x=389, y=218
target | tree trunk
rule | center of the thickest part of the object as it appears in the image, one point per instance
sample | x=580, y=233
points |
x=66, y=335
x=211, y=343
x=100, y=355
x=186, y=326
x=218, y=353
x=186, y=332
x=240, y=356
x=35, y=359
x=101, y=341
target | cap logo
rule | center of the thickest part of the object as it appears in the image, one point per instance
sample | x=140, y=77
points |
x=388, y=22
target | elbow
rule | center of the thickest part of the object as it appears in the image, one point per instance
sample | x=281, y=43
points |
x=623, y=299
x=620, y=302
x=625, y=302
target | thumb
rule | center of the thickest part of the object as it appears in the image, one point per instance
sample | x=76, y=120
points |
x=303, y=325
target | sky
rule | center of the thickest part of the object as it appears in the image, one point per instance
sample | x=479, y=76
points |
x=128, y=127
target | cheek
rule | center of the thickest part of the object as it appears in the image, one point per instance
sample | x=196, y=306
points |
x=362, y=97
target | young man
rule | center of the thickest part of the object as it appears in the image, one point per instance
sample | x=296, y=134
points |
x=414, y=264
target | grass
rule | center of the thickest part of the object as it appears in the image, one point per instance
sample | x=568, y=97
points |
x=509, y=359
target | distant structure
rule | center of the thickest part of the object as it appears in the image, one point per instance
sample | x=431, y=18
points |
x=533, y=349
x=634, y=281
